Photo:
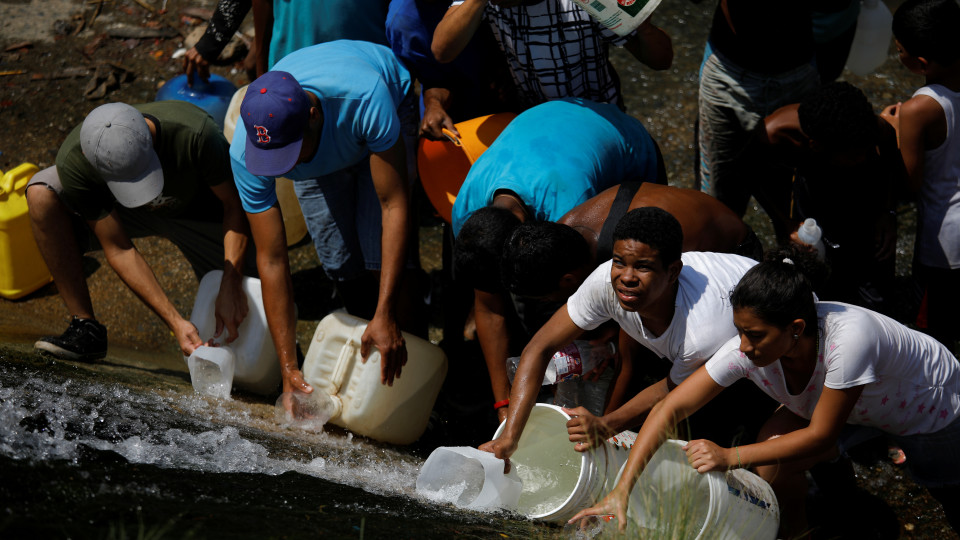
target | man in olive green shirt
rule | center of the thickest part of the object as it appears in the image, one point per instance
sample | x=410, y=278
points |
x=160, y=168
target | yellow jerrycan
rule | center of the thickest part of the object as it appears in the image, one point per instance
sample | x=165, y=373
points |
x=395, y=414
x=22, y=269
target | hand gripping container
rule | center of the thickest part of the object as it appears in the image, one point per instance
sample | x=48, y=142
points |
x=22, y=269
x=672, y=500
x=557, y=480
x=395, y=414
x=255, y=365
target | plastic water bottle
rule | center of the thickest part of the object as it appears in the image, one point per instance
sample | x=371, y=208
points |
x=620, y=16
x=566, y=369
x=871, y=42
x=809, y=233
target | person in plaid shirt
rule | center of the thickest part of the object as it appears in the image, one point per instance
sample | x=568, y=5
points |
x=554, y=48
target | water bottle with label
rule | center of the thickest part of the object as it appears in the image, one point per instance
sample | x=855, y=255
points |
x=620, y=16
x=566, y=369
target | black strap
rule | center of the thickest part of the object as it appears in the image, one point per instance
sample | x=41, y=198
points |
x=621, y=203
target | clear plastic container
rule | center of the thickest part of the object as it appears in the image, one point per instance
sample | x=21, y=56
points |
x=809, y=233
x=468, y=478
x=211, y=371
x=256, y=368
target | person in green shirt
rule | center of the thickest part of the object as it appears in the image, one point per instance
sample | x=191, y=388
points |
x=160, y=168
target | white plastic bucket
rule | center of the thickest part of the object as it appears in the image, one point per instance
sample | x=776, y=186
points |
x=620, y=16
x=395, y=414
x=468, y=478
x=675, y=501
x=557, y=480
x=211, y=371
x=255, y=360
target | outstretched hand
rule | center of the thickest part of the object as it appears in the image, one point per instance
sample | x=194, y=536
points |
x=615, y=504
x=706, y=456
x=585, y=429
x=502, y=448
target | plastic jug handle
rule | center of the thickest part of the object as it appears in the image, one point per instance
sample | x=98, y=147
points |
x=6, y=185
x=347, y=352
x=452, y=136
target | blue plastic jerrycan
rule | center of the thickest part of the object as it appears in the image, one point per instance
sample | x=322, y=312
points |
x=213, y=97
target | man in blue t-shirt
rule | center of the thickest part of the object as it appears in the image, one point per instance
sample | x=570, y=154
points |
x=333, y=118
x=548, y=160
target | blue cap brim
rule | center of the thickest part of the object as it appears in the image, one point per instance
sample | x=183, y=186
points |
x=272, y=161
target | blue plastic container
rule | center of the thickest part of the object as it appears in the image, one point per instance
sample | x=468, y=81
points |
x=213, y=97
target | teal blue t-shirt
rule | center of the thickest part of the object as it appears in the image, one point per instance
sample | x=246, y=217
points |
x=360, y=86
x=557, y=155
x=302, y=23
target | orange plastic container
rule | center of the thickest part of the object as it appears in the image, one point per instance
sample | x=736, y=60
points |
x=22, y=269
x=443, y=165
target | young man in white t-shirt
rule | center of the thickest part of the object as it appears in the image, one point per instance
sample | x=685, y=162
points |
x=676, y=306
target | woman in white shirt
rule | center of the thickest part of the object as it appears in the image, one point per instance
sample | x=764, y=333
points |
x=841, y=373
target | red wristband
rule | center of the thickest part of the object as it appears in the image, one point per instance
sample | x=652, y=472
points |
x=501, y=404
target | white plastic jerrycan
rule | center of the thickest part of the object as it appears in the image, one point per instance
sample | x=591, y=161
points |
x=211, y=371
x=255, y=360
x=395, y=414
x=468, y=478
x=871, y=42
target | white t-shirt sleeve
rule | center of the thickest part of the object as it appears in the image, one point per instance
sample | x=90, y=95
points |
x=589, y=306
x=851, y=350
x=728, y=365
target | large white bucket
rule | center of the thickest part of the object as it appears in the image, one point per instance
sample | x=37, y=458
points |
x=468, y=478
x=675, y=501
x=395, y=414
x=557, y=480
x=255, y=360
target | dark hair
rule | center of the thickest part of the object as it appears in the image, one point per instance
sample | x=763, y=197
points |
x=478, y=247
x=838, y=116
x=654, y=227
x=780, y=292
x=538, y=254
x=929, y=28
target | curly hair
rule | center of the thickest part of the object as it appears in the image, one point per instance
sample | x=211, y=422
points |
x=654, y=227
x=929, y=28
x=537, y=255
x=478, y=247
x=839, y=116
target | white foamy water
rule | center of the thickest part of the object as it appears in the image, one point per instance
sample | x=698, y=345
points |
x=40, y=420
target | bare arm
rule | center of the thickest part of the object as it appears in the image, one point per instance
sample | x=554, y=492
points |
x=263, y=33
x=231, y=306
x=919, y=121
x=277, y=287
x=436, y=102
x=456, y=29
x=494, y=340
x=388, y=169
x=127, y=262
x=651, y=46
x=557, y=332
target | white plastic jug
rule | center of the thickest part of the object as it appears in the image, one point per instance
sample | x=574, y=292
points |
x=211, y=371
x=256, y=368
x=674, y=500
x=871, y=42
x=557, y=480
x=620, y=16
x=395, y=414
x=468, y=478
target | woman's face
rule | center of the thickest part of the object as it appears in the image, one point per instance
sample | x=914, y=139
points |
x=763, y=343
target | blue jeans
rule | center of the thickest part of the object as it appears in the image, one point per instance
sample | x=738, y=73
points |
x=342, y=210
